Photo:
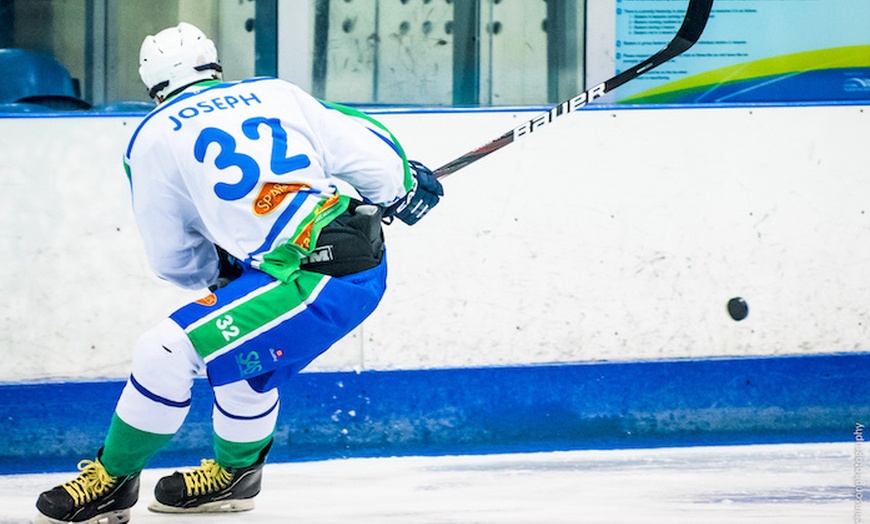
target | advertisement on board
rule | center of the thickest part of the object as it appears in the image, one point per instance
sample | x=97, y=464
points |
x=750, y=51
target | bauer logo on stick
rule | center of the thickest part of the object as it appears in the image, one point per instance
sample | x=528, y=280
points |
x=569, y=106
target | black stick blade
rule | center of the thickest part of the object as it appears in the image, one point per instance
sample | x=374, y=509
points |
x=697, y=14
x=690, y=31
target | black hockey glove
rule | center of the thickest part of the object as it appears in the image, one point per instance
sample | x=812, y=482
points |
x=229, y=269
x=420, y=199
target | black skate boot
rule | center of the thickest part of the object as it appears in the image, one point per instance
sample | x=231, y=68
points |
x=210, y=488
x=93, y=497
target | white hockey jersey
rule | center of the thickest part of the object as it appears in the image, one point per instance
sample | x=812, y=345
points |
x=256, y=167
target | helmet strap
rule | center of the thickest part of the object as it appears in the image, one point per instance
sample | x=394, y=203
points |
x=213, y=65
x=162, y=85
x=157, y=88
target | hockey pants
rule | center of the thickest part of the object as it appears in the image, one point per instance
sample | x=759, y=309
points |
x=248, y=337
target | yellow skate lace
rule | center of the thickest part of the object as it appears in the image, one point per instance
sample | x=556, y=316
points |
x=209, y=476
x=92, y=482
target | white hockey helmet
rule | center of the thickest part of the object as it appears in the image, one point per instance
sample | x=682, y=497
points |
x=176, y=58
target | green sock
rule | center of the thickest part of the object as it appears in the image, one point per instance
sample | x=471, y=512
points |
x=127, y=449
x=238, y=454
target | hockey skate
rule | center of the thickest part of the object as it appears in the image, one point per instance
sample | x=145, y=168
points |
x=209, y=488
x=94, y=497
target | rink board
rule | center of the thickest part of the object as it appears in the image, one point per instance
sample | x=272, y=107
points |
x=821, y=398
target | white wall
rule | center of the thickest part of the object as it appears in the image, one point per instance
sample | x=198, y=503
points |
x=611, y=235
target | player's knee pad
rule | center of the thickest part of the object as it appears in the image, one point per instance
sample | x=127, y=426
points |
x=157, y=395
x=165, y=363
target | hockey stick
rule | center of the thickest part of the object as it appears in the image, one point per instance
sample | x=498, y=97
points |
x=690, y=31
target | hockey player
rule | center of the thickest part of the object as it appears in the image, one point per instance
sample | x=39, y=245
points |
x=273, y=201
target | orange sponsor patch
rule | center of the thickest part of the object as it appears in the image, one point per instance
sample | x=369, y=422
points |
x=208, y=300
x=303, y=240
x=272, y=194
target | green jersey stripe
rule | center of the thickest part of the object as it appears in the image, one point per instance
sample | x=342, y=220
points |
x=356, y=113
x=283, y=261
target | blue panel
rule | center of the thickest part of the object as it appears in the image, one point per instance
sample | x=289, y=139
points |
x=827, y=85
x=48, y=427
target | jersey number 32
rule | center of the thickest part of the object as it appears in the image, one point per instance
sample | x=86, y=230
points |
x=280, y=163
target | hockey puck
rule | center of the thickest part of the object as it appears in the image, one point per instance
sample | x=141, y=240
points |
x=738, y=309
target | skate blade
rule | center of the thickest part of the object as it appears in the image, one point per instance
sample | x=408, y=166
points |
x=113, y=517
x=221, y=506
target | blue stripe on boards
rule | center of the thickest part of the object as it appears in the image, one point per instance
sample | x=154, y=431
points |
x=818, y=398
x=373, y=110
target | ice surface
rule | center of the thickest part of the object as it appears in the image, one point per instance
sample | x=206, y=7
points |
x=791, y=483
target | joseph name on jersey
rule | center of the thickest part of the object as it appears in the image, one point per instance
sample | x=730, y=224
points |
x=285, y=174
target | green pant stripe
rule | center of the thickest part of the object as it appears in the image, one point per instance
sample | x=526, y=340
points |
x=210, y=318
x=244, y=318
